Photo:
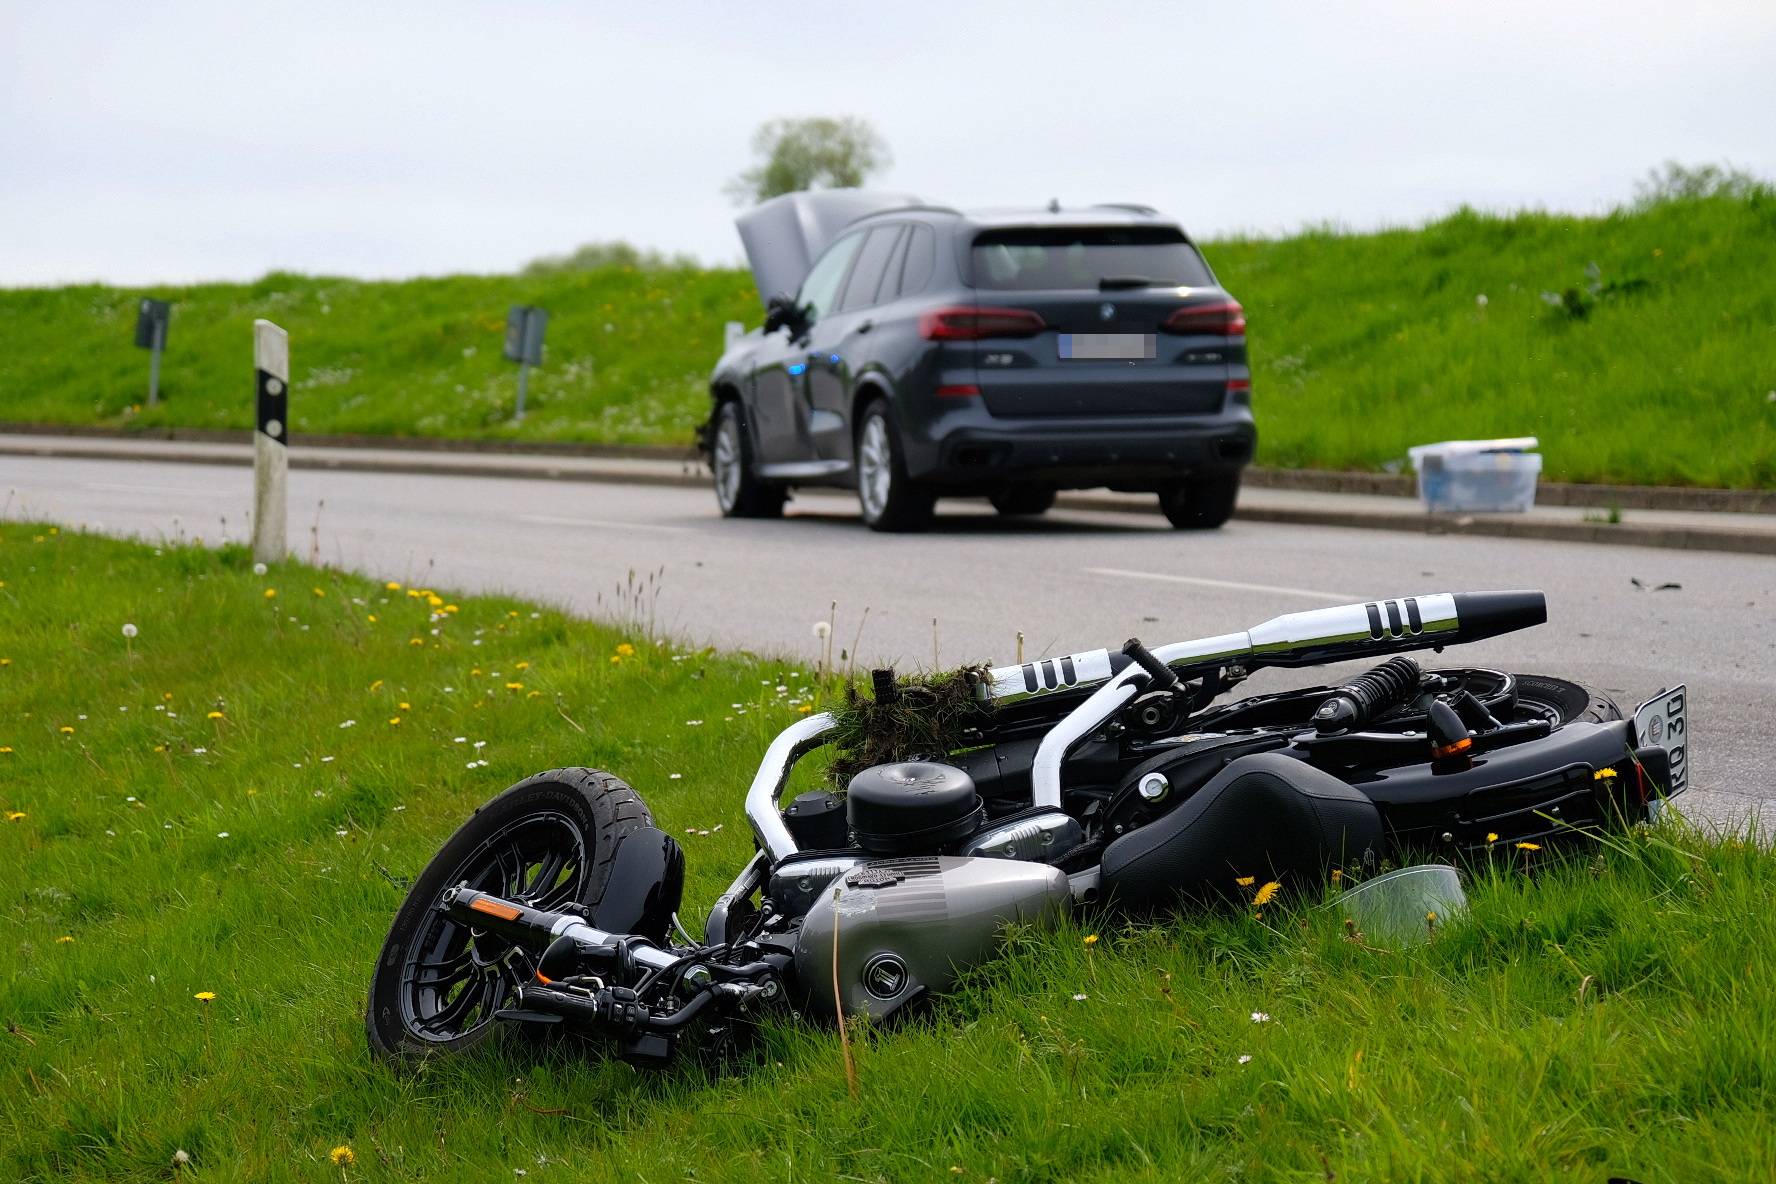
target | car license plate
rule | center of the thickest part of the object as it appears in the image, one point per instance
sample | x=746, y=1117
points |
x=1101, y=347
x=1663, y=720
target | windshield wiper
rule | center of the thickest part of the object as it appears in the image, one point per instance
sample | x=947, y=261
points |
x=1111, y=283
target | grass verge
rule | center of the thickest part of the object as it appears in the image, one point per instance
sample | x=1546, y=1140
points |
x=222, y=803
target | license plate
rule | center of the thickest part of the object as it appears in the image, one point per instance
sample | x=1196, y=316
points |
x=1663, y=720
x=1108, y=347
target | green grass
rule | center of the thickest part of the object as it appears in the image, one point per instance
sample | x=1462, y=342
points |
x=1611, y=1013
x=1362, y=345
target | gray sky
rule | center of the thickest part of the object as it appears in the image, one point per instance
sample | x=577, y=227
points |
x=144, y=142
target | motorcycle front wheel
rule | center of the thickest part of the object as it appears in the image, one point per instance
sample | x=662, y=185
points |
x=549, y=841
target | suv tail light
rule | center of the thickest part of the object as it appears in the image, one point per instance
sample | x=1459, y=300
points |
x=1224, y=318
x=964, y=323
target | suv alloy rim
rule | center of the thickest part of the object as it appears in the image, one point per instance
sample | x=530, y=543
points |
x=874, y=467
x=727, y=459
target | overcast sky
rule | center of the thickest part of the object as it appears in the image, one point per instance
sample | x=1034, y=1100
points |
x=147, y=142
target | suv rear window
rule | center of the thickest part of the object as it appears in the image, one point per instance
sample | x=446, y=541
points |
x=1034, y=258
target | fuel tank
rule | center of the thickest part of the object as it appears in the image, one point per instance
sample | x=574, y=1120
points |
x=910, y=926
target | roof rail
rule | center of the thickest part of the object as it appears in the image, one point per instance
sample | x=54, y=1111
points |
x=918, y=209
x=1130, y=206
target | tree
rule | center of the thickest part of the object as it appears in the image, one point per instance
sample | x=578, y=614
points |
x=797, y=154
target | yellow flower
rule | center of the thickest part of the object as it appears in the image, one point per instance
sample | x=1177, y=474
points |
x=214, y=715
x=343, y=1156
x=66, y=939
x=512, y=613
x=435, y=601
x=55, y=530
x=1337, y=875
x=205, y=996
x=393, y=720
x=1246, y=881
x=372, y=618
x=514, y=686
x=1603, y=775
x=475, y=671
x=615, y=658
x=1266, y=893
x=522, y=666
x=534, y=695
x=376, y=685
x=627, y=650
x=167, y=697
x=5, y=661
x=392, y=586
x=1091, y=939
x=451, y=608
x=1431, y=917
x=1492, y=836
x=406, y=707
x=5, y=749
x=15, y=816
x=320, y=592
x=271, y=593
x=67, y=730
x=416, y=641
x=1529, y=846
x=805, y=709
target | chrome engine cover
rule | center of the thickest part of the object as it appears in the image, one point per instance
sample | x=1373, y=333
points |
x=908, y=926
x=796, y=883
x=1040, y=838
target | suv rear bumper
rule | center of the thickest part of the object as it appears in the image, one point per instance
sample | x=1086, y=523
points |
x=1133, y=456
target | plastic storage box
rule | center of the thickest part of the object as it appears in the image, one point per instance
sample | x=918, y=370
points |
x=1477, y=476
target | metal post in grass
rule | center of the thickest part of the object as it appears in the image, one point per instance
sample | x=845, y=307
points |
x=524, y=345
x=151, y=334
x=271, y=440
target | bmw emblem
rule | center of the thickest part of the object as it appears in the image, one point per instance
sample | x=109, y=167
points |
x=1106, y=311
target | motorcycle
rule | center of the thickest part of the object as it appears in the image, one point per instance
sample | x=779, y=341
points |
x=1117, y=780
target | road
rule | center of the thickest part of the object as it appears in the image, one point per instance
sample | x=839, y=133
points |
x=962, y=592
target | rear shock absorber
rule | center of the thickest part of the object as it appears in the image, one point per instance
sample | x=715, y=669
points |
x=1368, y=695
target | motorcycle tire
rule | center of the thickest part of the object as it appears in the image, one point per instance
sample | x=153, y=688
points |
x=551, y=841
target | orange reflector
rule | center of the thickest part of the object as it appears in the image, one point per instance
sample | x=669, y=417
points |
x=1454, y=749
x=543, y=978
x=493, y=908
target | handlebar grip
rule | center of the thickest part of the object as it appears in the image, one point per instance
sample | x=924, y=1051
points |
x=1159, y=672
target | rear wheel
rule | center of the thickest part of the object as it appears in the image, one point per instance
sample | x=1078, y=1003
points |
x=1023, y=500
x=1201, y=503
x=887, y=496
x=737, y=491
x=549, y=841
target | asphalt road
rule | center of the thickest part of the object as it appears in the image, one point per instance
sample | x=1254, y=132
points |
x=962, y=592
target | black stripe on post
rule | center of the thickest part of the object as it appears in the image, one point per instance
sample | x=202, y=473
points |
x=1068, y=674
x=1374, y=619
x=1395, y=626
x=1412, y=617
x=1030, y=677
x=272, y=415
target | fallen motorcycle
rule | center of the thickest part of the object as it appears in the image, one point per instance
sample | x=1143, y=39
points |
x=1116, y=779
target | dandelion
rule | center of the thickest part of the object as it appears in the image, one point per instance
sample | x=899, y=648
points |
x=1480, y=300
x=1246, y=881
x=214, y=715
x=514, y=686
x=1529, y=846
x=181, y=1157
x=1260, y=1017
x=1492, y=836
x=392, y=586
x=616, y=658
x=822, y=629
x=5, y=661
x=129, y=631
x=1431, y=917
x=1338, y=875
x=66, y=939
x=406, y=707
x=1266, y=893
x=416, y=641
x=627, y=650
x=259, y=569
x=166, y=696
x=15, y=815
x=523, y=666
x=343, y=1156
x=434, y=601
x=394, y=720
x=67, y=730
x=377, y=685
x=805, y=708
x=271, y=593
x=319, y=591
x=1091, y=939
x=372, y=617
x=205, y=996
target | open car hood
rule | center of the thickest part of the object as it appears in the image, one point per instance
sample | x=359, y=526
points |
x=783, y=236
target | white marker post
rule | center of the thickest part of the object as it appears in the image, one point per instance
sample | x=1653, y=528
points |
x=271, y=441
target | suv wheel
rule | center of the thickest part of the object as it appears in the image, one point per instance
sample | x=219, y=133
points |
x=1201, y=503
x=1023, y=500
x=737, y=491
x=888, y=498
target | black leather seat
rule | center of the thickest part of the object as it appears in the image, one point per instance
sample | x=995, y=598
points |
x=1265, y=815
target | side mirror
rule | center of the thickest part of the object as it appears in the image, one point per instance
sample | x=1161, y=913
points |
x=779, y=311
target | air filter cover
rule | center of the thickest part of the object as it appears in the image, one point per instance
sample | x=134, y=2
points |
x=912, y=806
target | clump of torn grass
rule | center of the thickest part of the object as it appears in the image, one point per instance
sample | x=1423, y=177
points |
x=925, y=717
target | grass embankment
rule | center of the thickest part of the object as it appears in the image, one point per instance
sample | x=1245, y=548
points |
x=221, y=805
x=1659, y=371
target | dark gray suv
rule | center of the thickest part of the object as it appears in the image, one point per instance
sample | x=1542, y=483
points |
x=928, y=352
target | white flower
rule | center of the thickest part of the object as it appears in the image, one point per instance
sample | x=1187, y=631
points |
x=480, y=744
x=693, y=723
x=326, y=760
x=1245, y=1058
x=822, y=629
x=1260, y=1017
x=1480, y=300
x=350, y=723
x=221, y=834
x=460, y=740
x=676, y=776
x=181, y=1157
x=200, y=751
x=258, y=569
x=1081, y=997
x=129, y=630
x=340, y=833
